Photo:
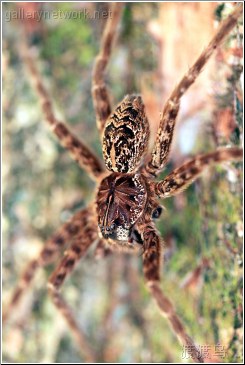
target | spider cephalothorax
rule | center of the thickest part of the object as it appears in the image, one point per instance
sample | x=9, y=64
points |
x=121, y=201
x=127, y=195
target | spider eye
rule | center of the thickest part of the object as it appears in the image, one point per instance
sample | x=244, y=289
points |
x=157, y=212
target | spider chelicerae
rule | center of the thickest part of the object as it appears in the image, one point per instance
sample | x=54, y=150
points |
x=127, y=196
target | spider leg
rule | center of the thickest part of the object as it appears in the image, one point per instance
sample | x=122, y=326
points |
x=151, y=265
x=48, y=255
x=102, y=249
x=77, y=250
x=165, y=132
x=79, y=152
x=184, y=175
x=100, y=93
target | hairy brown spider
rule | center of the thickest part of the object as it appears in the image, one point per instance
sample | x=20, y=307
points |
x=127, y=198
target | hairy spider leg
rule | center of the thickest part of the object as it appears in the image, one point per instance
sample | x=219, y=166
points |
x=77, y=250
x=48, y=255
x=152, y=258
x=101, y=99
x=85, y=158
x=183, y=176
x=160, y=153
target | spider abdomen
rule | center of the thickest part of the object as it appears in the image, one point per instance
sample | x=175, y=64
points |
x=121, y=201
x=126, y=135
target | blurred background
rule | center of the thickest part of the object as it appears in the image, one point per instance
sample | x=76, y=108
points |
x=43, y=187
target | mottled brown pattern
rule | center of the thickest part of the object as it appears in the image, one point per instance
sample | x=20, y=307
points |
x=164, y=138
x=126, y=203
x=167, y=310
x=63, y=236
x=184, y=175
x=152, y=255
x=121, y=200
x=84, y=346
x=101, y=99
x=87, y=235
x=79, y=152
x=151, y=265
x=126, y=135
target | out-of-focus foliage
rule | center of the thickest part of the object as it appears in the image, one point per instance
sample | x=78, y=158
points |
x=43, y=187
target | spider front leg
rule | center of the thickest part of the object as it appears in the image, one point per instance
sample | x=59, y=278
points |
x=184, y=175
x=77, y=250
x=49, y=253
x=100, y=93
x=165, y=132
x=151, y=265
x=79, y=152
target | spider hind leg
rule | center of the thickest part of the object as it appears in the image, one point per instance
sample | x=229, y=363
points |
x=48, y=254
x=151, y=266
x=78, y=249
